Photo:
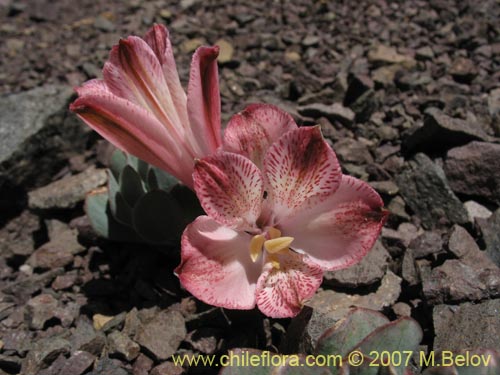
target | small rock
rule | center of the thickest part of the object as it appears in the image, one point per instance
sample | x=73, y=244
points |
x=408, y=268
x=352, y=151
x=490, y=230
x=293, y=56
x=18, y=341
x=65, y=281
x=43, y=353
x=385, y=74
x=463, y=70
x=100, y=320
x=425, y=189
x=190, y=45
x=369, y=271
x=382, y=54
x=78, y=363
x=59, y=251
x=397, y=209
x=494, y=110
x=424, y=53
x=401, y=237
x=401, y=309
x=142, y=365
x=163, y=334
x=204, y=340
x=334, y=112
x=385, y=187
x=310, y=40
x=67, y=192
x=85, y=338
x=474, y=170
x=16, y=237
x=476, y=210
x=467, y=326
x=226, y=51
x=39, y=310
x=426, y=244
x=122, y=346
x=461, y=242
x=104, y=24
x=107, y=366
x=30, y=285
x=167, y=368
x=328, y=307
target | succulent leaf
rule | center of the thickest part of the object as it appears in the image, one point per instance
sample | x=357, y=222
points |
x=117, y=162
x=350, y=331
x=131, y=185
x=157, y=217
x=103, y=222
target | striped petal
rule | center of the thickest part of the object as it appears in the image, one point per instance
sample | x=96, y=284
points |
x=298, y=168
x=216, y=266
x=158, y=39
x=281, y=292
x=252, y=131
x=203, y=102
x=229, y=187
x=117, y=120
x=339, y=231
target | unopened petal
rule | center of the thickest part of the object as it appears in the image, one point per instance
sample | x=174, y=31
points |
x=252, y=131
x=117, y=120
x=339, y=231
x=216, y=266
x=229, y=187
x=203, y=101
x=298, y=167
x=282, y=291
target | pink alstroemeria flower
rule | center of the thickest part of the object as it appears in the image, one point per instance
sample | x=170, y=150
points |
x=280, y=212
x=141, y=107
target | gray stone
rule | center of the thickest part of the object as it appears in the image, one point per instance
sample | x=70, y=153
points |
x=467, y=326
x=58, y=252
x=385, y=187
x=68, y=191
x=476, y=210
x=369, y=271
x=85, y=338
x=16, y=238
x=352, y=151
x=403, y=236
x=327, y=307
x=463, y=70
x=473, y=277
x=334, y=112
x=107, y=366
x=408, y=269
x=494, y=110
x=425, y=189
x=401, y=309
x=381, y=54
x=28, y=286
x=142, y=365
x=461, y=242
x=18, y=341
x=78, y=363
x=427, y=243
x=474, y=170
x=36, y=135
x=163, y=334
x=122, y=346
x=43, y=353
x=440, y=132
x=39, y=310
x=490, y=230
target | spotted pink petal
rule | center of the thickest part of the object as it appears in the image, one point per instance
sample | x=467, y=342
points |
x=281, y=292
x=117, y=119
x=158, y=39
x=252, y=131
x=216, y=266
x=203, y=101
x=229, y=187
x=133, y=72
x=298, y=167
x=339, y=231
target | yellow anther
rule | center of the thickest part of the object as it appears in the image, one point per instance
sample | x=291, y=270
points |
x=277, y=244
x=256, y=246
x=274, y=261
x=274, y=233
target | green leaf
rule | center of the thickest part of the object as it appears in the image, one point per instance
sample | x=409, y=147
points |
x=158, y=218
x=349, y=332
x=117, y=162
x=101, y=219
x=165, y=180
x=143, y=169
x=131, y=185
x=402, y=335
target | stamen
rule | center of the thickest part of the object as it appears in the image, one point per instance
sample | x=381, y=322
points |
x=277, y=244
x=274, y=233
x=256, y=246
